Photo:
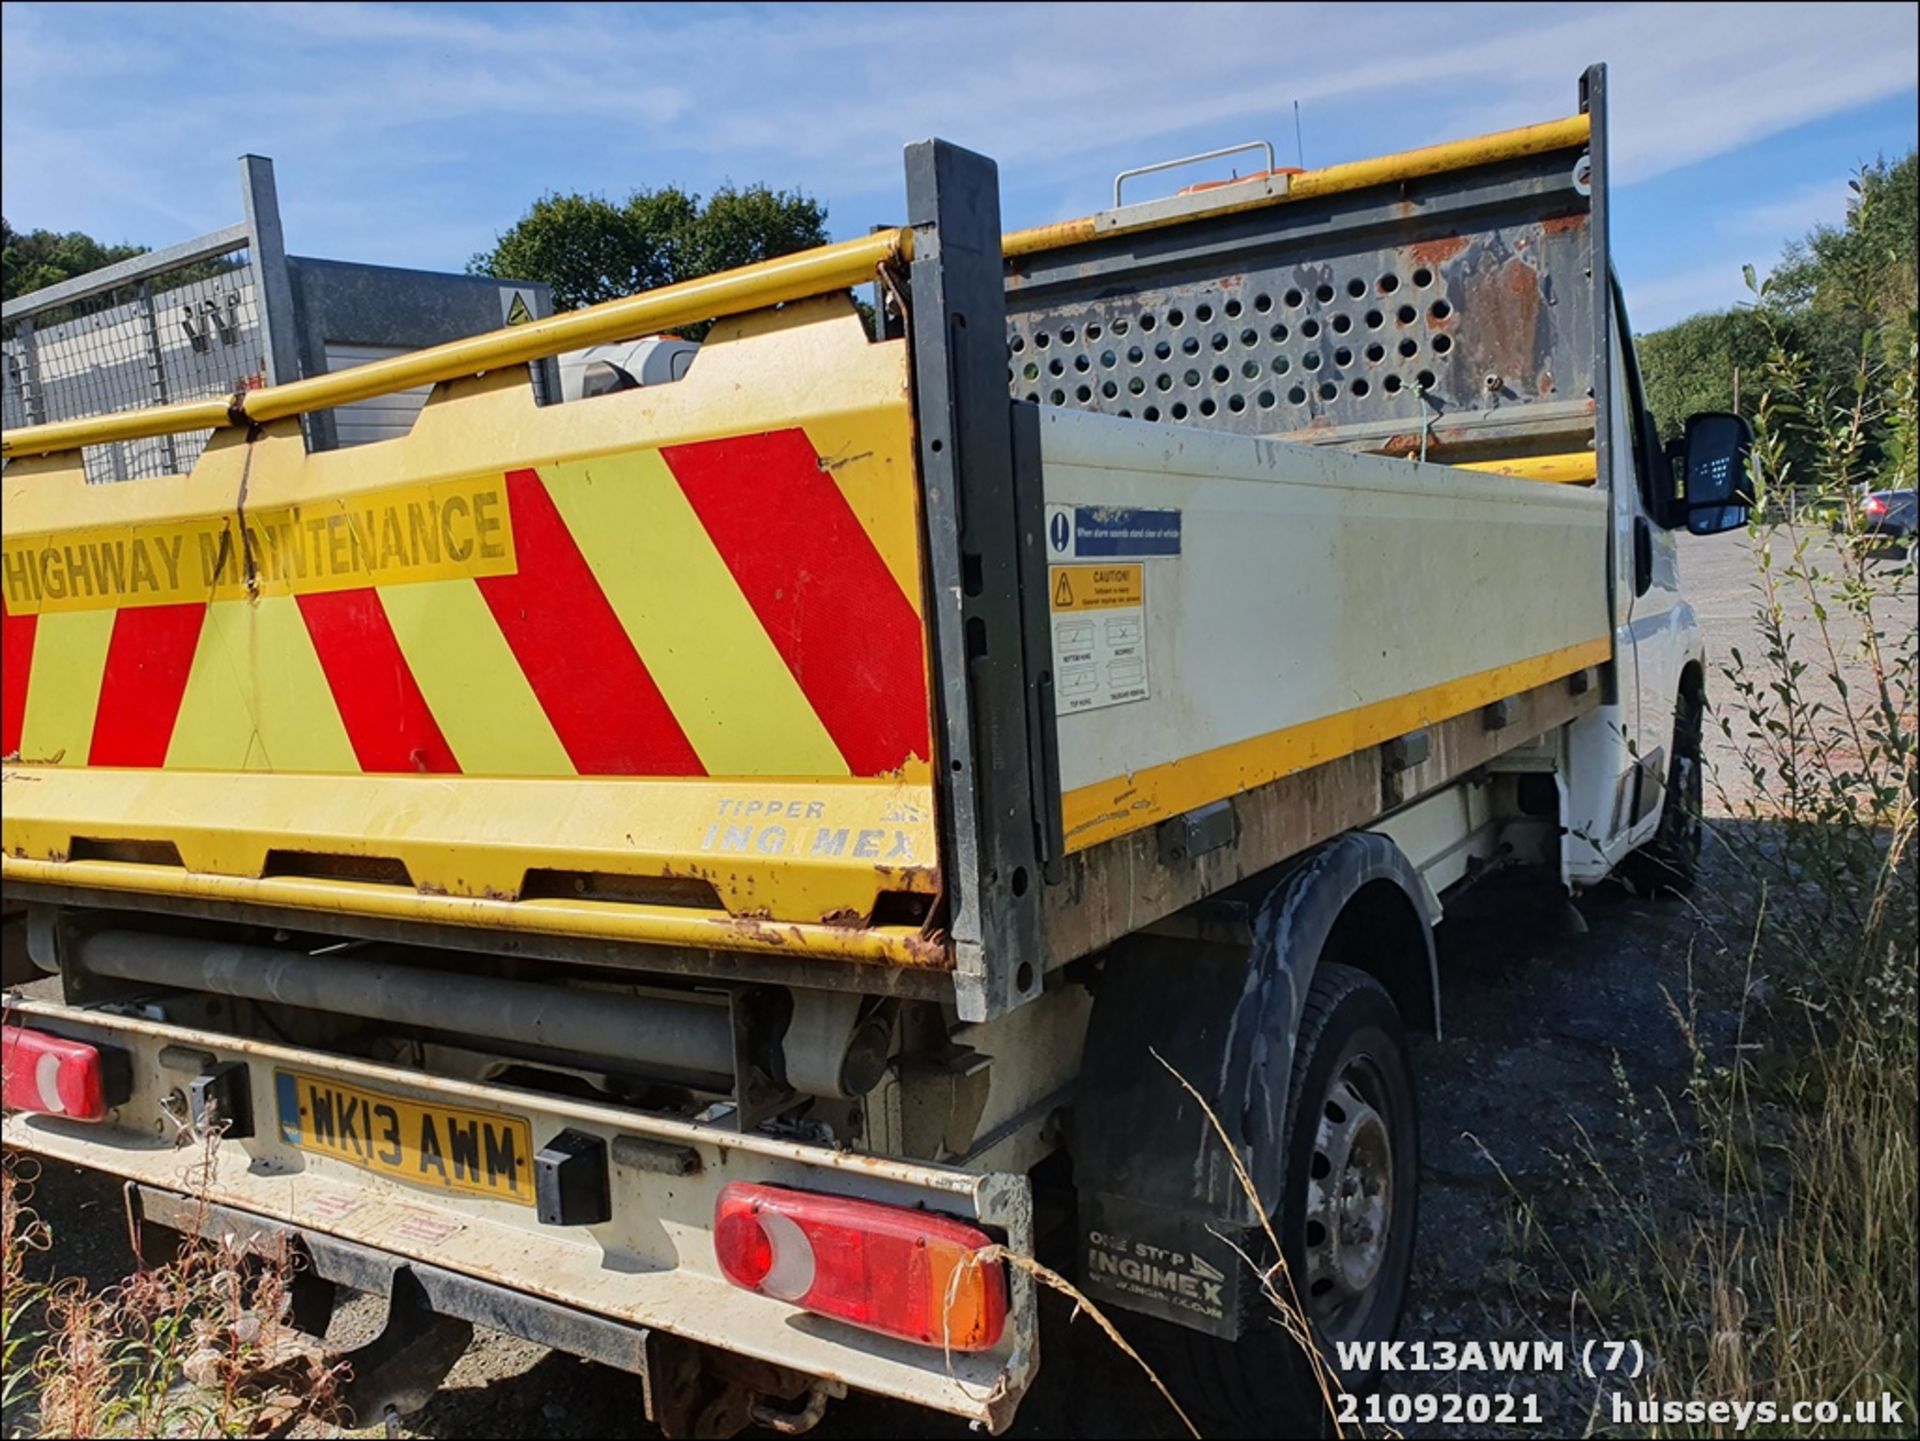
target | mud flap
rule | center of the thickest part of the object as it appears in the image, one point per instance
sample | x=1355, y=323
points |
x=1169, y=1263
x=1167, y=1223
x=1159, y=1196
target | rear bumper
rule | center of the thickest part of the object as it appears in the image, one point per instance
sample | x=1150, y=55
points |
x=650, y=1266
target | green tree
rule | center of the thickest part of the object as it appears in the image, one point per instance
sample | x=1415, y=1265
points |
x=1861, y=274
x=738, y=227
x=589, y=249
x=33, y=259
x=1698, y=364
x=1841, y=298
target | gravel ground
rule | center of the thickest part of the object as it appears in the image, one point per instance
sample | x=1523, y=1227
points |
x=1533, y=1025
x=1559, y=1037
x=1719, y=576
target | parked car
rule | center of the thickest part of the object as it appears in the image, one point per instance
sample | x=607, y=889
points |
x=1884, y=515
x=1888, y=522
x=1890, y=514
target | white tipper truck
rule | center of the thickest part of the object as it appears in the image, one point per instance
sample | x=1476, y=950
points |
x=670, y=874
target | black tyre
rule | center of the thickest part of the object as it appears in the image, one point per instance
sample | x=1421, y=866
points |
x=1345, y=1219
x=1669, y=864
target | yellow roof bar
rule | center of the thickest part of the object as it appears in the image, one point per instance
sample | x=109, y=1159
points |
x=731, y=292
x=1333, y=179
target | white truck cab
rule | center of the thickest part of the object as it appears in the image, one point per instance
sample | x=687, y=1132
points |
x=1632, y=759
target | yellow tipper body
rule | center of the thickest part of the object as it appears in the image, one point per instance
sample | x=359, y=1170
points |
x=648, y=667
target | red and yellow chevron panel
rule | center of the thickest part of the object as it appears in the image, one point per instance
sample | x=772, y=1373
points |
x=511, y=625
x=711, y=586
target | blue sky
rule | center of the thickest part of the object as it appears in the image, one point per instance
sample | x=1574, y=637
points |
x=411, y=135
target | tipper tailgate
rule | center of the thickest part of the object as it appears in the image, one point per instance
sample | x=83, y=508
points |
x=651, y=666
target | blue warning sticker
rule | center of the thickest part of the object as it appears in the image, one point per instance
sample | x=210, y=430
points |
x=1107, y=532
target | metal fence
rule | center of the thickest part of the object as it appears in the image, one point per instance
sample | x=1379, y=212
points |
x=195, y=321
x=231, y=311
x=191, y=334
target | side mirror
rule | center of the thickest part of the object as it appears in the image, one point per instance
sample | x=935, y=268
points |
x=1715, y=492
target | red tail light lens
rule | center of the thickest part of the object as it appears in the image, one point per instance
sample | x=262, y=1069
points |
x=53, y=1076
x=887, y=1268
x=1875, y=505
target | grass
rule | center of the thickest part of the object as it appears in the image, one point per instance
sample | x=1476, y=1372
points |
x=1775, y=1261
x=196, y=1347
x=1780, y=1264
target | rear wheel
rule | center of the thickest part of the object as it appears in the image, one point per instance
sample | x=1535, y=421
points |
x=1345, y=1220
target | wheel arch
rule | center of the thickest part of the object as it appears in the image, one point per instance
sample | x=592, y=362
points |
x=1693, y=681
x=1223, y=1017
x=1383, y=931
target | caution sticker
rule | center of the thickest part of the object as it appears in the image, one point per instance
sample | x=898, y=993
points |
x=1096, y=587
x=1099, y=621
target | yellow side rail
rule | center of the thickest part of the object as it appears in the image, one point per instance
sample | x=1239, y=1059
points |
x=1576, y=468
x=731, y=292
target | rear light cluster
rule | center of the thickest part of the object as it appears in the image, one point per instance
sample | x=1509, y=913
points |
x=886, y=1268
x=1874, y=505
x=53, y=1076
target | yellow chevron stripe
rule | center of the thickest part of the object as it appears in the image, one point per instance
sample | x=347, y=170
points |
x=733, y=695
x=256, y=697
x=869, y=454
x=471, y=682
x=63, y=691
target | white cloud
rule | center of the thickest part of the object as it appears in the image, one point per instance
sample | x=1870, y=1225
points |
x=133, y=114
x=1717, y=285
x=1739, y=238
x=1705, y=80
x=1823, y=203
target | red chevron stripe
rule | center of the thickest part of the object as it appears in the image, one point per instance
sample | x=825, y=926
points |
x=148, y=660
x=16, y=665
x=811, y=573
x=387, y=718
x=576, y=655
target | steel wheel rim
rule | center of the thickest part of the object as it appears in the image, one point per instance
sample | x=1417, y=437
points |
x=1349, y=1212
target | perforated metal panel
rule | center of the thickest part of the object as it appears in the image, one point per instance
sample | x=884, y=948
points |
x=1460, y=304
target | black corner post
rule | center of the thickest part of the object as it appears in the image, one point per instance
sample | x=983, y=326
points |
x=984, y=518
x=1593, y=104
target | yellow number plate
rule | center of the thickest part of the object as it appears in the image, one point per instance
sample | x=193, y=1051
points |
x=481, y=1153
